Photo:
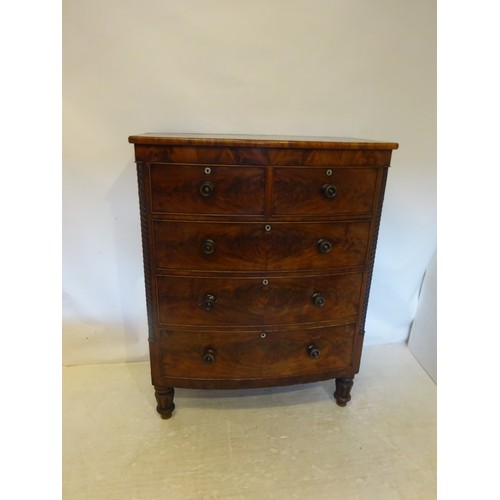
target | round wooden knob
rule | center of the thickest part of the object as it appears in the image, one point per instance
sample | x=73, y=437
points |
x=318, y=299
x=207, y=189
x=329, y=191
x=208, y=247
x=324, y=246
x=313, y=351
x=209, y=301
x=209, y=356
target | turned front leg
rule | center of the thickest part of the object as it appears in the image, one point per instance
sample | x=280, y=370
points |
x=343, y=388
x=165, y=399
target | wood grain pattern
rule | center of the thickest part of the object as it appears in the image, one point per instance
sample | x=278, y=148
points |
x=251, y=302
x=246, y=355
x=225, y=155
x=299, y=191
x=237, y=191
x=258, y=255
x=267, y=141
x=249, y=247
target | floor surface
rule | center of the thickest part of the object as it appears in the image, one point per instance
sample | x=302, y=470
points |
x=278, y=443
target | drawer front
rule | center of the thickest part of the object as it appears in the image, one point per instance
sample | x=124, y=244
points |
x=217, y=301
x=317, y=245
x=246, y=355
x=324, y=191
x=257, y=246
x=203, y=189
x=210, y=246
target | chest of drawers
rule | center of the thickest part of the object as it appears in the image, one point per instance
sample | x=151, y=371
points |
x=258, y=254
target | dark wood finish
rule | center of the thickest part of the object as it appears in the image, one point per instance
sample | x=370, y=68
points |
x=179, y=190
x=165, y=399
x=260, y=141
x=223, y=155
x=258, y=255
x=343, y=388
x=147, y=245
x=300, y=191
x=249, y=247
x=258, y=301
x=254, y=355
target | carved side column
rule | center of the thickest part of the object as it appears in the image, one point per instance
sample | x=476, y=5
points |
x=343, y=388
x=146, y=253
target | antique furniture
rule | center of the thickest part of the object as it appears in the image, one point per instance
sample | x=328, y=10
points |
x=258, y=255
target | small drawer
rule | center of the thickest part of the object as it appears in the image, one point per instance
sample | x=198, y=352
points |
x=272, y=300
x=207, y=189
x=279, y=246
x=234, y=355
x=211, y=246
x=301, y=246
x=324, y=191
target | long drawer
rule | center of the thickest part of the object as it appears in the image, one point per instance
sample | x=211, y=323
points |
x=226, y=246
x=238, y=301
x=253, y=354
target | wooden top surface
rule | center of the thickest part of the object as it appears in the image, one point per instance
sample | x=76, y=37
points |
x=267, y=141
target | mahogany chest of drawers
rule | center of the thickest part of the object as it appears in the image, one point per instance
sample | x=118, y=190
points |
x=258, y=254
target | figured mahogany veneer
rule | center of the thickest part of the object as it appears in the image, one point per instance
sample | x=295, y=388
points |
x=232, y=192
x=296, y=191
x=258, y=254
x=247, y=301
x=226, y=246
x=255, y=355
